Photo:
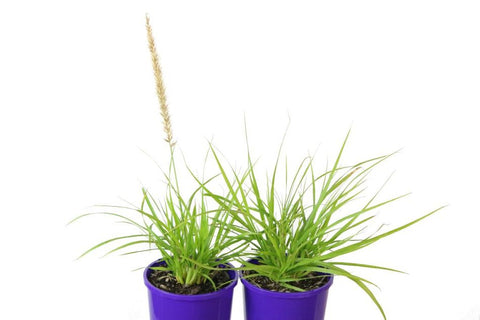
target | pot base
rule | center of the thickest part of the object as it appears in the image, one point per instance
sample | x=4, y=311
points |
x=212, y=306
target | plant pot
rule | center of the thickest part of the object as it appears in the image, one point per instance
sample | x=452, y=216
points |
x=261, y=304
x=212, y=306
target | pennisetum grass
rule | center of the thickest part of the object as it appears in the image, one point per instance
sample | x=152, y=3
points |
x=317, y=220
x=192, y=239
x=312, y=225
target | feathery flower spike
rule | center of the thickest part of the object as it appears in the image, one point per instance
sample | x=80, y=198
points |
x=160, y=87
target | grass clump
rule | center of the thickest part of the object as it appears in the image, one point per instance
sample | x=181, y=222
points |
x=192, y=239
x=310, y=227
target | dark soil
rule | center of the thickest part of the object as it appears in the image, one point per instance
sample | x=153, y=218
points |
x=313, y=281
x=165, y=281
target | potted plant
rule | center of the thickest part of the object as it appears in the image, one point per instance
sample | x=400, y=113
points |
x=192, y=279
x=298, y=238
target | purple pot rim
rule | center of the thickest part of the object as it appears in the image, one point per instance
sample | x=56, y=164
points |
x=287, y=295
x=186, y=297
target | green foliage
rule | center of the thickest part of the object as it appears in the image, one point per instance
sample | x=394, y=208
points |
x=308, y=228
x=190, y=238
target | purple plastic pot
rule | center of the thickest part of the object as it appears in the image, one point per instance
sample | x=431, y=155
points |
x=261, y=304
x=212, y=306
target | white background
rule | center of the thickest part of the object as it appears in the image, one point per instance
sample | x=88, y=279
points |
x=77, y=107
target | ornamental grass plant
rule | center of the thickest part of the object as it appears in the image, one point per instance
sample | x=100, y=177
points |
x=296, y=228
x=192, y=239
x=306, y=224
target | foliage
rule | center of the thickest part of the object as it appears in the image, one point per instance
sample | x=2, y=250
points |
x=190, y=238
x=314, y=223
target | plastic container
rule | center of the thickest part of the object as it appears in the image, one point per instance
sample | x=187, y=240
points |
x=261, y=304
x=212, y=306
